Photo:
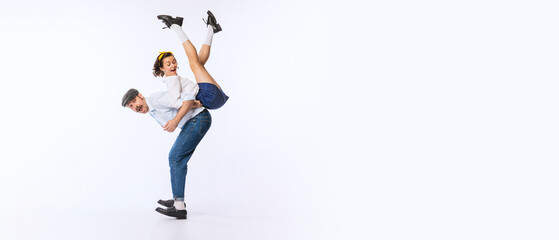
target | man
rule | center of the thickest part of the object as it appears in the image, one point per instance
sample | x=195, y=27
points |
x=194, y=121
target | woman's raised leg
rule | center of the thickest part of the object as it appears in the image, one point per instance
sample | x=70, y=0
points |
x=205, y=49
x=213, y=27
x=204, y=54
x=200, y=73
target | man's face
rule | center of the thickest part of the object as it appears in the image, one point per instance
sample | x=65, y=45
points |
x=139, y=104
x=169, y=66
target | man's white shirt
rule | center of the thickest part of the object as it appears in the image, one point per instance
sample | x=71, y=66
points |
x=162, y=110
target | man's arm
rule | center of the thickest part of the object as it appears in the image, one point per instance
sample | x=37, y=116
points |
x=171, y=125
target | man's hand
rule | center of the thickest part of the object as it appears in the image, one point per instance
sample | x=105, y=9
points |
x=197, y=104
x=171, y=125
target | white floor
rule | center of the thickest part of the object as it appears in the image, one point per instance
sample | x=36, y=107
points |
x=145, y=223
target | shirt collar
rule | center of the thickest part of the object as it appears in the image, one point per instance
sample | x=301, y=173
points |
x=164, y=80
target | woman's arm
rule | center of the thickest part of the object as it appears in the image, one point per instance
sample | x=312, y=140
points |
x=175, y=89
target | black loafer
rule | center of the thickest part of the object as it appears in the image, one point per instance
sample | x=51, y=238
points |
x=166, y=203
x=213, y=22
x=172, y=212
x=168, y=20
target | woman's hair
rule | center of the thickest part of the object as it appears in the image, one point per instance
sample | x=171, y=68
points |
x=159, y=63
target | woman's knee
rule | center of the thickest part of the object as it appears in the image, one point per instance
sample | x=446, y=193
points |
x=196, y=66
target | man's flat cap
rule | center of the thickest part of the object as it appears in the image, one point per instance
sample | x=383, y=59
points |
x=129, y=96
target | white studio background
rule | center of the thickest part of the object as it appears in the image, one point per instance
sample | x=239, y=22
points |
x=347, y=120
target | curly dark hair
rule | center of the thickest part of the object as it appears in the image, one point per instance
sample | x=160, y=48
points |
x=159, y=63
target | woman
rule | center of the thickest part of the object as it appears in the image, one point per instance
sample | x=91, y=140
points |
x=209, y=93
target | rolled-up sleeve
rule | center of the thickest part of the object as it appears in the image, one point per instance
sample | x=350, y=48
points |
x=187, y=97
x=174, y=88
x=189, y=89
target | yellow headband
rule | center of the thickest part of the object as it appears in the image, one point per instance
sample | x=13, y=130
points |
x=161, y=55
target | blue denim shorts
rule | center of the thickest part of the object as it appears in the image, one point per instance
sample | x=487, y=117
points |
x=211, y=96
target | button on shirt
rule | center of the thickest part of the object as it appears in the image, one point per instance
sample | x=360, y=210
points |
x=162, y=110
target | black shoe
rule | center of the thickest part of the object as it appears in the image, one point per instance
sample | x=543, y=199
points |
x=212, y=21
x=172, y=212
x=168, y=20
x=166, y=203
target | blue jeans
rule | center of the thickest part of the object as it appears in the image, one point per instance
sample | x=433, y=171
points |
x=191, y=134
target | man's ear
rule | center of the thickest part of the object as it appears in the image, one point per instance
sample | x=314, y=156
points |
x=140, y=95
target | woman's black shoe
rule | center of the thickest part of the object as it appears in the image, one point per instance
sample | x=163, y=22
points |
x=172, y=212
x=168, y=20
x=213, y=22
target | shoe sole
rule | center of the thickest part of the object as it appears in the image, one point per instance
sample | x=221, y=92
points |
x=212, y=15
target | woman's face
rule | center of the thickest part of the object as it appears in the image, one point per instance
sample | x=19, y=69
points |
x=169, y=66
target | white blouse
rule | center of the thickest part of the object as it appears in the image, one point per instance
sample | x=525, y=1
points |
x=180, y=89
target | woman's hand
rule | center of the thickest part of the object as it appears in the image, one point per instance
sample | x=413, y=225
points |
x=197, y=104
x=171, y=125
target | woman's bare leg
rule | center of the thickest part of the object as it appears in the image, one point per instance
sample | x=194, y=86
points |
x=204, y=54
x=200, y=73
x=205, y=50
